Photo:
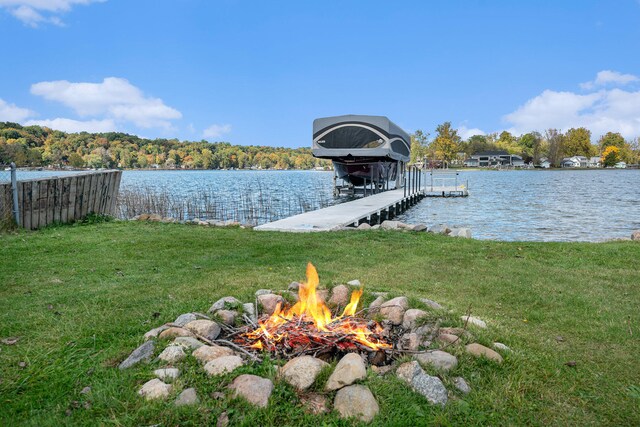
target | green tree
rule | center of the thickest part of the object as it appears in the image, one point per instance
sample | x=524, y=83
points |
x=419, y=144
x=446, y=143
x=578, y=142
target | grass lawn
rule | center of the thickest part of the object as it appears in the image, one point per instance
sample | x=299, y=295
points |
x=81, y=297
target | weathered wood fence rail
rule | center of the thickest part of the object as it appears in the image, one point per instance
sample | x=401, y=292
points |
x=45, y=201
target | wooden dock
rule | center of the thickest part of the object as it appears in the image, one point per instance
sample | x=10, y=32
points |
x=375, y=208
x=372, y=209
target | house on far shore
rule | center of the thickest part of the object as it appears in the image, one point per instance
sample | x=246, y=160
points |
x=544, y=163
x=574, y=162
x=594, y=162
x=494, y=159
x=621, y=165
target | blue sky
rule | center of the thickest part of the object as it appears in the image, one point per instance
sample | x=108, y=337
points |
x=259, y=72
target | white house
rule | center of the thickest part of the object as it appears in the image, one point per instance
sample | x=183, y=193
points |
x=621, y=165
x=487, y=159
x=574, y=162
x=544, y=163
x=594, y=162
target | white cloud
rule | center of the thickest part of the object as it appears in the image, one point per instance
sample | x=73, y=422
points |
x=70, y=125
x=608, y=77
x=606, y=110
x=35, y=12
x=115, y=98
x=13, y=113
x=466, y=133
x=216, y=131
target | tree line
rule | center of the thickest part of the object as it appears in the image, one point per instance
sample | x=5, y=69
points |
x=554, y=145
x=41, y=146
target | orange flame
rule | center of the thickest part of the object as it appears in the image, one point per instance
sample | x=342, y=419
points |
x=311, y=308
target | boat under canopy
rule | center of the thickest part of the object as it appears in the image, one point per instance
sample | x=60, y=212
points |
x=363, y=148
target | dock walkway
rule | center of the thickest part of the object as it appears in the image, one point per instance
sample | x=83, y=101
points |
x=372, y=209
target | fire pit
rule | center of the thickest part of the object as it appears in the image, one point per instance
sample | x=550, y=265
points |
x=309, y=327
x=300, y=330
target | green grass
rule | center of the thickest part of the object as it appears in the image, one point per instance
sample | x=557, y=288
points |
x=80, y=298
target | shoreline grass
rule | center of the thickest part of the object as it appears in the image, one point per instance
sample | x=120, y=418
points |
x=81, y=297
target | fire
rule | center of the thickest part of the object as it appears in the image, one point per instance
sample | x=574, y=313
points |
x=311, y=312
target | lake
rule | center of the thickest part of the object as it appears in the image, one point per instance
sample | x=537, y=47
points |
x=535, y=205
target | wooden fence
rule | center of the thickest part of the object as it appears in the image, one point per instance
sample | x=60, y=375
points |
x=64, y=199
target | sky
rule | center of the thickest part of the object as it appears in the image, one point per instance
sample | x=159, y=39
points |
x=259, y=72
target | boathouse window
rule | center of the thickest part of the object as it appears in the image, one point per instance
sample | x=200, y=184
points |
x=351, y=137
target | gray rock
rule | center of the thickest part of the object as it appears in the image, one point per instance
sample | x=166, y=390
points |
x=188, y=342
x=438, y=359
x=339, y=296
x=427, y=331
x=144, y=352
x=470, y=320
x=355, y=283
x=269, y=302
x=187, y=397
x=253, y=388
x=302, y=371
x=220, y=304
x=418, y=227
x=183, y=319
x=228, y=317
x=250, y=310
x=174, y=333
x=410, y=341
x=155, y=389
x=394, y=309
x=349, y=369
x=431, y=304
x=207, y=353
x=461, y=385
x=263, y=292
x=205, y=328
x=428, y=386
x=461, y=232
x=439, y=229
x=448, y=339
x=172, y=354
x=356, y=401
x=500, y=346
x=374, y=308
x=390, y=225
x=294, y=286
x=167, y=374
x=635, y=235
x=375, y=226
x=223, y=365
x=155, y=332
x=411, y=316
x=364, y=226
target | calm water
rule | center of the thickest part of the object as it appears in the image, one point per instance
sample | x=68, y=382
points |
x=563, y=205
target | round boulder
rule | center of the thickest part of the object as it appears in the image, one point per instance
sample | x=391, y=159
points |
x=356, y=401
x=302, y=371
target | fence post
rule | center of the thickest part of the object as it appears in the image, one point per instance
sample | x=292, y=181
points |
x=14, y=191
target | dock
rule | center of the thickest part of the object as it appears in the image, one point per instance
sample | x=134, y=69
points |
x=375, y=208
x=372, y=209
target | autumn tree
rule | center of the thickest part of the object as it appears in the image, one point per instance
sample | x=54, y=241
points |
x=446, y=143
x=610, y=156
x=578, y=142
